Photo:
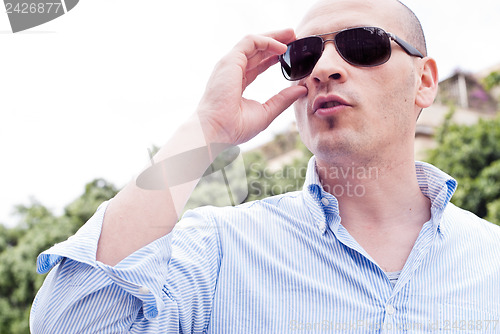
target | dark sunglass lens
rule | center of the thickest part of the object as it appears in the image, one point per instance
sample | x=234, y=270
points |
x=365, y=46
x=301, y=57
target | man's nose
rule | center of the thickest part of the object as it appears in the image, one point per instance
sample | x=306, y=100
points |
x=330, y=66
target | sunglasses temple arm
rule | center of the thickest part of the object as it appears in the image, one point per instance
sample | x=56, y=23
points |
x=406, y=46
x=285, y=69
x=284, y=63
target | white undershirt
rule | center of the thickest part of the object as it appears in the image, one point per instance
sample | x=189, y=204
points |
x=393, y=277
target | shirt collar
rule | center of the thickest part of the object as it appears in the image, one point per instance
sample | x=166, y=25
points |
x=434, y=184
x=322, y=205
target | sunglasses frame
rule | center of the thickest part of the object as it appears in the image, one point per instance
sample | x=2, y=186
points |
x=407, y=47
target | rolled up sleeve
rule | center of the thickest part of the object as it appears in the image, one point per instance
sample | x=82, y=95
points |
x=142, y=293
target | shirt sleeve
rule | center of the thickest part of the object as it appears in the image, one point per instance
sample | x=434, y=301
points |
x=144, y=291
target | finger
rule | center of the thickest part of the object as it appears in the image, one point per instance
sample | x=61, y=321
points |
x=252, y=74
x=281, y=101
x=253, y=44
x=284, y=36
x=258, y=59
x=253, y=49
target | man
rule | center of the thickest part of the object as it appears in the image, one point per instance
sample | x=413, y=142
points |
x=397, y=258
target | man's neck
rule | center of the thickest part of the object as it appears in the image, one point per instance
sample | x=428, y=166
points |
x=374, y=191
x=380, y=205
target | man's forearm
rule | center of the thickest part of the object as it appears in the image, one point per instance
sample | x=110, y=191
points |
x=138, y=216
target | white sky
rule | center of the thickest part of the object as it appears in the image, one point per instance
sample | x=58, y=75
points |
x=87, y=94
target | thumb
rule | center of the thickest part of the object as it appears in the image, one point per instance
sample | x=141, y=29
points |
x=281, y=101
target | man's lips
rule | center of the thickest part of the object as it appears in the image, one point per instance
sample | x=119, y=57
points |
x=331, y=102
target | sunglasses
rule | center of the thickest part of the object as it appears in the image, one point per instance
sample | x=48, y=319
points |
x=364, y=47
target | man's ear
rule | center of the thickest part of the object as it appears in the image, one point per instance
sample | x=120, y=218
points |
x=428, y=83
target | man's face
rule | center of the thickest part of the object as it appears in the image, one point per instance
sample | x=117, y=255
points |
x=377, y=113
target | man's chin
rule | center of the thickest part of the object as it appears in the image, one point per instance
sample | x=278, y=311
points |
x=333, y=146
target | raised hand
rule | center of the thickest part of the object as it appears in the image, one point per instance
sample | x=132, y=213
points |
x=227, y=117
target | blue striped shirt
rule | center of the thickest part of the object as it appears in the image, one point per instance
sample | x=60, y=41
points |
x=280, y=265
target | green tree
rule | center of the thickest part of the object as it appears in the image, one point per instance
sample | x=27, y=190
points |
x=264, y=181
x=471, y=154
x=492, y=80
x=38, y=230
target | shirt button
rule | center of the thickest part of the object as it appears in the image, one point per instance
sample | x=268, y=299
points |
x=390, y=309
x=325, y=201
x=143, y=290
x=322, y=227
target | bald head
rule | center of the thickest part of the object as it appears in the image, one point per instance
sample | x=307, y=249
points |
x=413, y=29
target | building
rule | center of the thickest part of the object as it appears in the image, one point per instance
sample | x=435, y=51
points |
x=466, y=94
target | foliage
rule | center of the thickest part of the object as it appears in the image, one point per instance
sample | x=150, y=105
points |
x=38, y=230
x=492, y=80
x=471, y=154
x=264, y=181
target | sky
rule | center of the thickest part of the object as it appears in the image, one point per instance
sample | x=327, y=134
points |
x=85, y=96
